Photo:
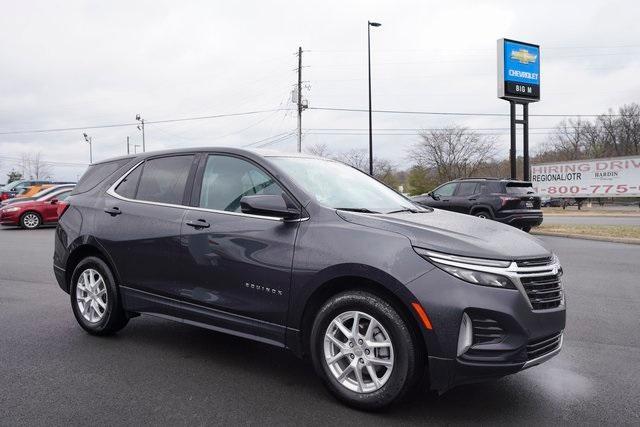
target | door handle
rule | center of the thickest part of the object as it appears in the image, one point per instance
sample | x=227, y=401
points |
x=201, y=223
x=473, y=198
x=113, y=211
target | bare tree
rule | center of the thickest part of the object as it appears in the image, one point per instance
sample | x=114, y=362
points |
x=453, y=152
x=569, y=139
x=34, y=167
x=611, y=134
x=383, y=169
x=320, y=150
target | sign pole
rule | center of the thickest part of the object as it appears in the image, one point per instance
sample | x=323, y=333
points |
x=525, y=143
x=512, y=151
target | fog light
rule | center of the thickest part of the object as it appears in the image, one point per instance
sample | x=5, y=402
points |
x=465, y=337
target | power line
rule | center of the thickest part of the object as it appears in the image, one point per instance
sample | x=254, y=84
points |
x=418, y=133
x=451, y=113
x=48, y=162
x=288, y=133
x=418, y=129
x=115, y=125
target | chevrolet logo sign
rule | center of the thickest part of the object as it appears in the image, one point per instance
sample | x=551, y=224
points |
x=523, y=56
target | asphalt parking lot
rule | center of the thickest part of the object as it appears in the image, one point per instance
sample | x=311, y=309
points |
x=160, y=372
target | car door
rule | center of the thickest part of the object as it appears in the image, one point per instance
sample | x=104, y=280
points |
x=464, y=197
x=50, y=205
x=138, y=223
x=235, y=267
x=441, y=196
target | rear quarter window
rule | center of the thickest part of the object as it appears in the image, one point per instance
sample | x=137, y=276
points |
x=96, y=174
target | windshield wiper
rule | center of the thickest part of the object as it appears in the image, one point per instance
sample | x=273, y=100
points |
x=406, y=210
x=363, y=210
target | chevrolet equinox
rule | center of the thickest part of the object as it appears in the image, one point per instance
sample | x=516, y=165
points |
x=310, y=255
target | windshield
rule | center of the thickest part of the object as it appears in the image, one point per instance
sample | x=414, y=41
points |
x=10, y=186
x=339, y=186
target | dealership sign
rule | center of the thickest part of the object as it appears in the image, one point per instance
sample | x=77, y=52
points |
x=518, y=71
x=613, y=177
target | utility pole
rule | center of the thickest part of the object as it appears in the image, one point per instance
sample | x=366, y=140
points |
x=369, y=25
x=141, y=127
x=299, y=99
x=89, y=139
x=128, y=150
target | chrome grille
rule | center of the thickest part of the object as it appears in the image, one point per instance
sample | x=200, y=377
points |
x=534, y=262
x=544, y=292
x=542, y=346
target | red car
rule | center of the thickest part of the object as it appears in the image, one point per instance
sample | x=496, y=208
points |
x=32, y=214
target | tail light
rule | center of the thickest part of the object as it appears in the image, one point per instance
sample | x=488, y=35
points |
x=4, y=196
x=505, y=200
x=62, y=208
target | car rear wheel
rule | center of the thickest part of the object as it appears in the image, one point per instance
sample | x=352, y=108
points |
x=95, y=300
x=363, y=350
x=483, y=214
x=30, y=220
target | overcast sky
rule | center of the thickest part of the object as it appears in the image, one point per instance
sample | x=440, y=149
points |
x=87, y=63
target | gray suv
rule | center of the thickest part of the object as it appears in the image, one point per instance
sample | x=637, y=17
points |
x=310, y=255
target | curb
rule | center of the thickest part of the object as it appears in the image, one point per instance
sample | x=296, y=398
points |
x=628, y=240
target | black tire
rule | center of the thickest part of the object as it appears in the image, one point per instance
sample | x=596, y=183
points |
x=405, y=372
x=30, y=220
x=113, y=317
x=483, y=214
x=526, y=228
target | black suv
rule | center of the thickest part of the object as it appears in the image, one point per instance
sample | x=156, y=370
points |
x=311, y=255
x=507, y=201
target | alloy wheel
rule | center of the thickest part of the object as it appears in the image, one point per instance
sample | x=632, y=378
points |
x=31, y=220
x=91, y=295
x=358, y=351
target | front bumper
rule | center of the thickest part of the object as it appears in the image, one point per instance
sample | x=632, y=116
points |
x=10, y=218
x=446, y=299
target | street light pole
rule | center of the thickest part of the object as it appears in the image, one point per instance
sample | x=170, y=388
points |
x=88, y=139
x=369, y=25
x=141, y=127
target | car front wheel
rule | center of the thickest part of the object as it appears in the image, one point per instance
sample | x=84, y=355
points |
x=30, y=221
x=94, y=298
x=363, y=350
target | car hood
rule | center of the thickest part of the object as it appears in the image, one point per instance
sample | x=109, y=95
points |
x=455, y=234
x=18, y=204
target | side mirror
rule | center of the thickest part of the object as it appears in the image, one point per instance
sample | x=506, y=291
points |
x=54, y=201
x=268, y=205
x=433, y=195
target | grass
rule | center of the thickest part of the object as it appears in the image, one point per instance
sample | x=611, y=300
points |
x=607, y=231
x=573, y=211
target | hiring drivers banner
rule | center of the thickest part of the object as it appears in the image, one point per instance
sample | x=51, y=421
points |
x=612, y=177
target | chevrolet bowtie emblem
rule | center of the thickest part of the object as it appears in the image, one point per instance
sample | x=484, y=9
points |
x=523, y=56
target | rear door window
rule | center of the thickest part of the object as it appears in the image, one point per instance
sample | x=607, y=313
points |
x=164, y=179
x=466, y=189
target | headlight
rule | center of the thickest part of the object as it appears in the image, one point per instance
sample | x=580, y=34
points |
x=13, y=209
x=477, y=277
x=472, y=270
